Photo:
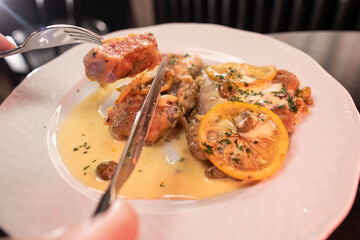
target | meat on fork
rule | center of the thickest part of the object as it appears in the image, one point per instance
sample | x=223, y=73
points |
x=122, y=57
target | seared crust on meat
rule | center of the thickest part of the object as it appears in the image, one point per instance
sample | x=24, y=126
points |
x=122, y=116
x=288, y=79
x=121, y=57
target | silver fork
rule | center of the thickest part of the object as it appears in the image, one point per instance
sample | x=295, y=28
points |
x=55, y=35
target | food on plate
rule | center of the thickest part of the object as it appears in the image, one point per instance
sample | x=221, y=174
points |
x=245, y=141
x=106, y=170
x=120, y=57
x=215, y=126
x=178, y=97
x=281, y=94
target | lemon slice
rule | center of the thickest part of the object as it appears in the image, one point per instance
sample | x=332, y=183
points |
x=243, y=75
x=245, y=141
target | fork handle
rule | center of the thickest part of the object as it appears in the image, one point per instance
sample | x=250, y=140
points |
x=13, y=51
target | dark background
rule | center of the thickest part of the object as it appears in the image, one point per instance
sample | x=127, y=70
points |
x=18, y=18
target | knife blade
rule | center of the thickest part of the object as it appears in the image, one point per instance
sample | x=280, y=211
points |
x=135, y=142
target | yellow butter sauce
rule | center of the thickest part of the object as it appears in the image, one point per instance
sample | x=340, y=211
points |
x=166, y=170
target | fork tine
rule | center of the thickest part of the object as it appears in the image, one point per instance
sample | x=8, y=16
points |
x=77, y=35
x=81, y=33
x=84, y=39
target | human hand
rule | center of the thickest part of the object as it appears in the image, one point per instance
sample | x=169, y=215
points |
x=5, y=44
x=118, y=222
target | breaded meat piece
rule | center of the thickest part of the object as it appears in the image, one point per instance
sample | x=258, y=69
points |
x=122, y=57
x=121, y=117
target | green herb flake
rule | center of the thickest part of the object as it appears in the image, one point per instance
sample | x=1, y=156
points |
x=227, y=141
x=208, y=149
x=236, y=160
x=292, y=105
x=86, y=167
x=172, y=62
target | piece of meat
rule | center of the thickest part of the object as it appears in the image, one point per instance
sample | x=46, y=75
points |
x=121, y=117
x=290, y=118
x=192, y=137
x=106, y=170
x=246, y=121
x=121, y=57
x=288, y=79
x=184, y=69
x=214, y=172
x=187, y=96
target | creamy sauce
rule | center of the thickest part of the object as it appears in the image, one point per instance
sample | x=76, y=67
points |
x=166, y=170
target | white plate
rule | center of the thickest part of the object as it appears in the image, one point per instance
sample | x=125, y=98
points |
x=308, y=198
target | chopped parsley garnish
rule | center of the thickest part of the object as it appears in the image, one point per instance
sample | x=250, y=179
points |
x=235, y=99
x=219, y=76
x=208, y=149
x=239, y=147
x=282, y=93
x=282, y=106
x=236, y=160
x=292, y=105
x=227, y=141
x=86, y=167
x=268, y=102
x=172, y=62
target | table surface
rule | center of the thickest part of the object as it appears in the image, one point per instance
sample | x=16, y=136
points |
x=338, y=52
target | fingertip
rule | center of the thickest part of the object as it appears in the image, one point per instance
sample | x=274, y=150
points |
x=5, y=44
x=118, y=222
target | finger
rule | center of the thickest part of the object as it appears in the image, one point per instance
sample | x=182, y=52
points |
x=118, y=222
x=5, y=44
